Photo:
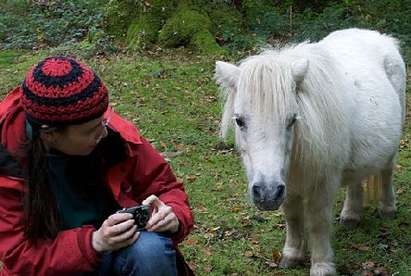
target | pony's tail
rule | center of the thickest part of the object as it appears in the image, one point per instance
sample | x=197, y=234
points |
x=372, y=187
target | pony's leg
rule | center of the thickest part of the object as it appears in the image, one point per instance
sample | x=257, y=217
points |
x=387, y=206
x=351, y=213
x=318, y=216
x=293, y=251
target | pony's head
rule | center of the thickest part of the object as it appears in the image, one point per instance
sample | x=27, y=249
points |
x=261, y=96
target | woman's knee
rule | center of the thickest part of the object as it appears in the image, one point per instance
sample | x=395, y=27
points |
x=153, y=245
x=151, y=254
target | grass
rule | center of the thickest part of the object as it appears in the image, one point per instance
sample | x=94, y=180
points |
x=172, y=98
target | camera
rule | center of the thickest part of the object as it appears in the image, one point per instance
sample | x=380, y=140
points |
x=141, y=215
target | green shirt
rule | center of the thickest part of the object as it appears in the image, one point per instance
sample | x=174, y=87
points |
x=77, y=206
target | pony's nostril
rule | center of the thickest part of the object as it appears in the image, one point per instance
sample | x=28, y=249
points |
x=280, y=191
x=257, y=192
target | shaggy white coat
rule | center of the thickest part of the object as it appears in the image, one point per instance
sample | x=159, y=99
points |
x=348, y=95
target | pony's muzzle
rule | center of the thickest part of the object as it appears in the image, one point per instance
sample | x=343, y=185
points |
x=268, y=197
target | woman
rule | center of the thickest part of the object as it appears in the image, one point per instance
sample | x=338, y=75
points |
x=68, y=162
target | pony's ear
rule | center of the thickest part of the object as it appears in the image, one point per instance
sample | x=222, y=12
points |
x=299, y=69
x=226, y=75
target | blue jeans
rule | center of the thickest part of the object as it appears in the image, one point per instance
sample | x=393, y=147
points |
x=151, y=254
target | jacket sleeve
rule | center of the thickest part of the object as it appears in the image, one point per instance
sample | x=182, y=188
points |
x=153, y=175
x=69, y=253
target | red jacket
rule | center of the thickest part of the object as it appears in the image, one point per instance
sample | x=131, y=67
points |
x=144, y=173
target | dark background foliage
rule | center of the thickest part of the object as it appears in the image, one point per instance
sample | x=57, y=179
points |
x=237, y=25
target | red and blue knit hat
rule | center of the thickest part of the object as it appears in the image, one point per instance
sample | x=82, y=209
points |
x=61, y=91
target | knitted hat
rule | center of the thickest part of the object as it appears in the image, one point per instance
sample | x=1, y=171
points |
x=60, y=91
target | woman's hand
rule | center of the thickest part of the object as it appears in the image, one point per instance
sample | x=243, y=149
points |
x=117, y=231
x=162, y=218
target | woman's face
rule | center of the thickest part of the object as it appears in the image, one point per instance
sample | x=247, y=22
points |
x=79, y=139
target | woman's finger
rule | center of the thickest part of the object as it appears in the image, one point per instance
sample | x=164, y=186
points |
x=160, y=215
x=170, y=223
x=128, y=242
x=117, y=218
x=149, y=200
x=166, y=220
x=153, y=201
x=121, y=227
x=172, y=227
x=124, y=236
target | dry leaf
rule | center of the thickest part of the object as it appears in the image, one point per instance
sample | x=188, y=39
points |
x=280, y=225
x=208, y=269
x=361, y=247
x=271, y=264
x=164, y=145
x=235, y=209
x=207, y=252
x=276, y=256
x=191, y=178
x=368, y=265
x=248, y=254
x=190, y=242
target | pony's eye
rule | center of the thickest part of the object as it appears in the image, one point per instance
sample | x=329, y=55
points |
x=240, y=122
x=292, y=121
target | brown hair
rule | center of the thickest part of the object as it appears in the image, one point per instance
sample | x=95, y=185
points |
x=40, y=208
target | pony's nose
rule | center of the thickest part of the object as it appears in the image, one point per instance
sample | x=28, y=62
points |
x=258, y=192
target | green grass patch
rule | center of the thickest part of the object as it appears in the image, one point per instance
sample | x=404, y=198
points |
x=172, y=98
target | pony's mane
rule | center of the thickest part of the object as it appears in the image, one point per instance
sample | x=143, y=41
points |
x=268, y=76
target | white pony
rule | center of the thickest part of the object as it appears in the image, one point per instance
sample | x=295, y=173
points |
x=309, y=117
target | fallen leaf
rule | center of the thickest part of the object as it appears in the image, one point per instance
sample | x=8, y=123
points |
x=381, y=271
x=276, y=256
x=280, y=225
x=191, y=178
x=248, y=253
x=368, y=265
x=171, y=154
x=201, y=209
x=190, y=242
x=235, y=209
x=208, y=268
x=361, y=247
x=164, y=145
x=207, y=252
x=400, y=190
x=271, y=264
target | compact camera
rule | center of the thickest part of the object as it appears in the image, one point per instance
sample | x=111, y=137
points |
x=141, y=215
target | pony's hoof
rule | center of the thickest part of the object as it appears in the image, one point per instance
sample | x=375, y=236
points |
x=387, y=212
x=289, y=261
x=350, y=223
x=322, y=269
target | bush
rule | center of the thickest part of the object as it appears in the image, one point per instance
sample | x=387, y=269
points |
x=51, y=24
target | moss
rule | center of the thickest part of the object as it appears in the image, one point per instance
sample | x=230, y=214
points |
x=118, y=15
x=189, y=27
x=205, y=43
x=226, y=19
x=144, y=29
x=121, y=13
x=141, y=33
